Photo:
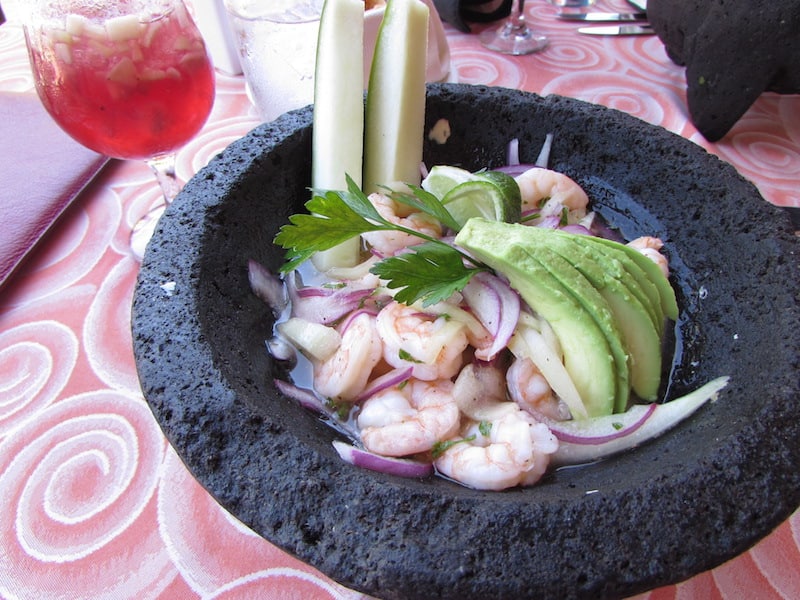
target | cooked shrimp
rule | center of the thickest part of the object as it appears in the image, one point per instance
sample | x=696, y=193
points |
x=650, y=247
x=549, y=192
x=432, y=345
x=344, y=375
x=409, y=419
x=509, y=450
x=390, y=242
x=530, y=390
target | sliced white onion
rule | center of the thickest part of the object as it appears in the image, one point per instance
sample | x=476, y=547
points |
x=280, y=349
x=479, y=385
x=402, y=467
x=588, y=440
x=496, y=306
x=544, y=154
x=527, y=342
x=512, y=152
x=315, y=340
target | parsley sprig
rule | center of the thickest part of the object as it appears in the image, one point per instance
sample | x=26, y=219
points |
x=430, y=272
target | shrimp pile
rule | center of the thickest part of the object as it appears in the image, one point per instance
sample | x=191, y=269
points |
x=428, y=383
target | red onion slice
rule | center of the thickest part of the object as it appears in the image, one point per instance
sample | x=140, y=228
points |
x=345, y=325
x=515, y=169
x=267, y=286
x=595, y=434
x=306, y=398
x=576, y=229
x=402, y=467
x=386, y=381
x=496, y=306
x=589, y=440
x=325, y=305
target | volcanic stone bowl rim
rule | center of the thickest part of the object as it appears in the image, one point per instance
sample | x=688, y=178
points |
x=179, y=370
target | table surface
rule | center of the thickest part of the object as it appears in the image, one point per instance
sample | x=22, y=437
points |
x=94, y=502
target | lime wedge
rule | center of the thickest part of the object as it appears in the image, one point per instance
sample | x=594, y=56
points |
x=443, y=178
x=492, y=195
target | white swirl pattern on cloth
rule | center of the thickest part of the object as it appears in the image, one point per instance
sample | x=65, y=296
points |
x=93, y=501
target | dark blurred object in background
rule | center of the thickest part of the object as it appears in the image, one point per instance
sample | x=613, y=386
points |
x=733, y=51
x=458, y=12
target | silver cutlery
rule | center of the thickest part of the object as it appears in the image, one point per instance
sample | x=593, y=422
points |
x=618, y=30
x=601, y=17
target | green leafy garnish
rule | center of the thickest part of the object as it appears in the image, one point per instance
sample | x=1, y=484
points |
x=426, y=202
x=440, y=448
x=485, y=427
x=430, y=272
x=407, y=356
x=335, y=217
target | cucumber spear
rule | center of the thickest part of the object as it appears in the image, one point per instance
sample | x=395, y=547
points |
x=338, y=133
x=395, y=113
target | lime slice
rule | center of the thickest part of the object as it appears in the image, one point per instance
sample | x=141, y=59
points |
x=443, y=178
x=492, y=195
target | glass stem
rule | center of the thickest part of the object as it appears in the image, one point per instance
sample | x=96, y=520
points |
x=518, y=12
x=164, y=168
x=516, y=24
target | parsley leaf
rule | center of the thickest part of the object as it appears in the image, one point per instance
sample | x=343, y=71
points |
x=335, y=217
x=430, y=272
x=424, y=201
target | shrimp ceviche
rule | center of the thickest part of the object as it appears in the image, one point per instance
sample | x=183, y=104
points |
x=460, y=341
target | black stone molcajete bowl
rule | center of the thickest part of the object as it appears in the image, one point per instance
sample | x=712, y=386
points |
x=684, y=503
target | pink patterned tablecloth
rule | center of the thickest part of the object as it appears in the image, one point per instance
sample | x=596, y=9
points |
x=93, y=501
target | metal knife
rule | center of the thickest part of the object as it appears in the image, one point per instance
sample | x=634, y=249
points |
x=618, y=30
x=601, y=17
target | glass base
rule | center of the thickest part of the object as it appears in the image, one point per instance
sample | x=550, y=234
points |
x=513, y=39
x=143, y=231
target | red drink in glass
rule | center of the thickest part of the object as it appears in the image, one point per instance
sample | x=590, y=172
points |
x=128, y=86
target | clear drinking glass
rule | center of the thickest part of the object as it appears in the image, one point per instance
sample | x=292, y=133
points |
x=130, y=79
x=277, y=42
x=515, y=35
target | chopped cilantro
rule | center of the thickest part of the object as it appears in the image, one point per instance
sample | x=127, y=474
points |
x=406, y=356
x=440, y=448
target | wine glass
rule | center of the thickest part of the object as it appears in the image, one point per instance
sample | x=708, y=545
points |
x=130, y=79
x=514, y=36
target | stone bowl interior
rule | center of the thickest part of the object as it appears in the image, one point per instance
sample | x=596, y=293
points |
x=679, y=505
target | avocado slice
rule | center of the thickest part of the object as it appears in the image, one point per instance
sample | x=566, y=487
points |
x=587, y=355
x=669, y=305
x=595, y=303
x=636, y=321
x=620, y=266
